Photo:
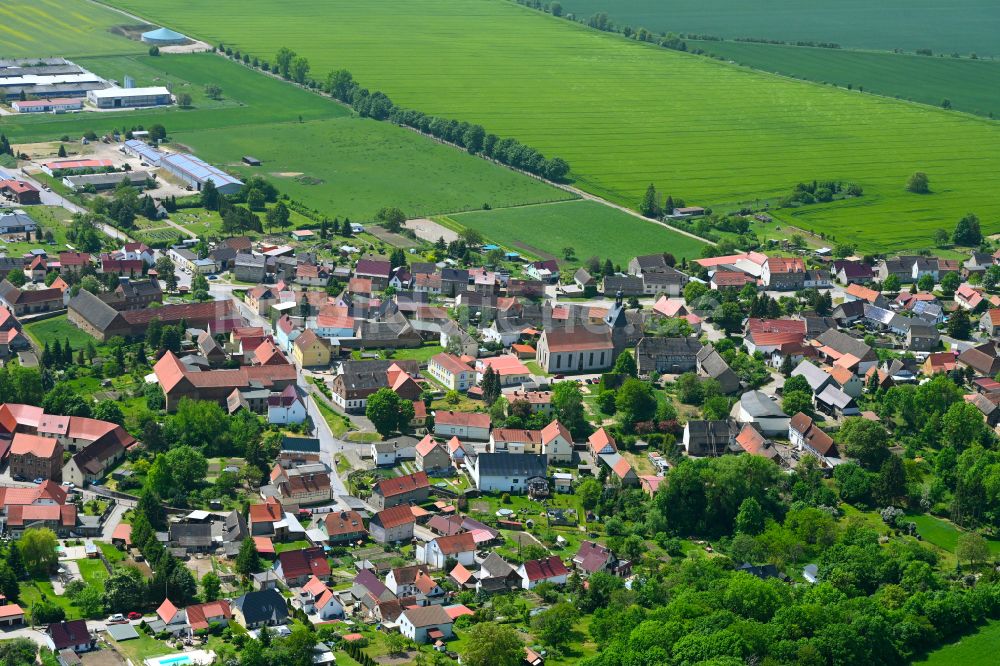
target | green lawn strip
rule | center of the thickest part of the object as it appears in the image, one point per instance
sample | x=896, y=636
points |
x=339, y=424
x=291, y=545
x=421, y=354
x=140, y=649
x=943, y=533
x=40, y=588
x=590, y=228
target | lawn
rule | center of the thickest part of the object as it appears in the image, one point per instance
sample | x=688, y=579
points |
x=738, y=136
x=960, y=25
x=339, y=424
x=970, y=85
x=58, y=328
x=291, y=545
x=93, y=572
x=943, y=533
x=351, y=167
x=140, y=649
x=61, y=28
x=978, y=649
x=39, y=588
x=590, y=228
x=421, y=354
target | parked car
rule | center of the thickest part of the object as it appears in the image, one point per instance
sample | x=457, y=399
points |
x=134, y=616
x=38, y=479
x=117, y=617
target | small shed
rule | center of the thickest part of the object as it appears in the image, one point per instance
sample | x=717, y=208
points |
x=122, y=632
x=250, y=160
x=562, y=482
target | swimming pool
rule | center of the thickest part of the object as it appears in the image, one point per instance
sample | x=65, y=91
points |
x=193, y=658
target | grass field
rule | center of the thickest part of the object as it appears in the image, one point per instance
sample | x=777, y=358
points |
x=732, y=136
x=590, y=228
x=959, y=25
x=970, y=85
x=66, y=28
x=978, y=649
x=354, y=166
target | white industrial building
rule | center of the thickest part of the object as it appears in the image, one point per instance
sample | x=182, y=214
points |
x=196, y=172
x=125, y=98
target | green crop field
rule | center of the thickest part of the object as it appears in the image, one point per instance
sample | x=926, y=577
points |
x=312, y=147
x=978, y=649
x=626, y=114
x=61, y=28
x=970, y=85
x=590, y=228
x=956, y=25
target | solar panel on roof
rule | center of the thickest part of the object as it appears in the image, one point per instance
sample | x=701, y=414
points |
x=200, y=170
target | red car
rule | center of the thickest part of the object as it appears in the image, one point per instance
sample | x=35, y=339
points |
x=134, y=616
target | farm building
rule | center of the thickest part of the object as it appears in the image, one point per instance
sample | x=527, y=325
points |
x=143, y=151
x=20, y=191
x=76, y=166
x=107, y=181
x=123, y=98
x=46, y=79
x=16, y=222
x=196, y=172
x=163, y=37
x=56, y=105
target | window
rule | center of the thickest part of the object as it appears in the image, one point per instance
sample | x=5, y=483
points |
x=602, y=358
x=591, y=358
x=513, y=480
x=558, y=361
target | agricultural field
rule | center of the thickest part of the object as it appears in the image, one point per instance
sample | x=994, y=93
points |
x=970, y=85
x=962, y=25
x=590, y=228
x=312, y=148
x=739, y=136
x=61, y=28
x=978, y=649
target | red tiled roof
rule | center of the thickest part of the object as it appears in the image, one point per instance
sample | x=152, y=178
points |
x=555, y=429
x=198, y=615
x=395, y=516
x=268, y=512
x=549, y=567
x=343, y=522
x=40, y=447
x=400, y=485
x=456, y=543
x=467, y=419
x=450, y=363
x=295, y=563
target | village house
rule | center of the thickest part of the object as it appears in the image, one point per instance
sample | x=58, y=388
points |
x=804, y=434
x=594, y=558
x=451, y=371
x=431, y=456
x=504, y=472
x=667, y=355
x=311, y=351
x=708, y=438
x=464, y=425
x=343, y=527
x=539, y=402
x=315, y=598
x=303, y=484
x=34, y=457
x=72, y=635
x=23, y=302
x=407, y=489
x=295, y=567
x=557, y=443
x=460, y=547
x=784, y=273
x=509, y=368
x=547, y=570
x=266, y=608
x=426, y=624
x=392, y=525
